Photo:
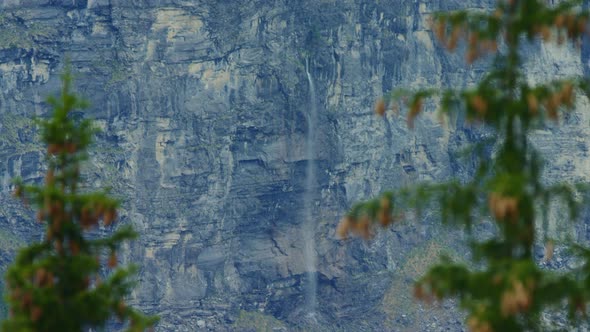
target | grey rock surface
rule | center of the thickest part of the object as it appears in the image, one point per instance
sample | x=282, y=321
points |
x=203, y=106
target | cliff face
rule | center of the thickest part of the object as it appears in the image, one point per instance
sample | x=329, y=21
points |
x=204, y=108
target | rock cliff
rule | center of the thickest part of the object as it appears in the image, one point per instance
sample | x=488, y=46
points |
x=204, y=107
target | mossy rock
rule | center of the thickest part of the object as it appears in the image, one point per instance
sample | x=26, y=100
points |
x=258, y=322
x=399, y=300
x=15, y=34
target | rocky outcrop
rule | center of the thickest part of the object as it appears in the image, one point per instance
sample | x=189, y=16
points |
x=203, y=106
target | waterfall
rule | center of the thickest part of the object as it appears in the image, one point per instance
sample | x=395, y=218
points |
x=6, y=182
x=309, y=253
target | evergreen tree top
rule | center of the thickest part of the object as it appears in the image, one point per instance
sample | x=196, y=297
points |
x=62, y=283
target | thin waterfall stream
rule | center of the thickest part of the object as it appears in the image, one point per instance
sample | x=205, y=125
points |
x=309, y=252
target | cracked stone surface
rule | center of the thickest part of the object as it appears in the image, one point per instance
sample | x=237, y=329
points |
x=203, y=106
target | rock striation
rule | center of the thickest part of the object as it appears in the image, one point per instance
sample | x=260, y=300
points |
x=204, y=107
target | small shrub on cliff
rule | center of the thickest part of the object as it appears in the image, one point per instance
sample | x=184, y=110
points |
x=507, y=289
x=60, y=283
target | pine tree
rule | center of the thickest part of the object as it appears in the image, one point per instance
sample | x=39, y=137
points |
x=505, y=288
x=61, y=283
